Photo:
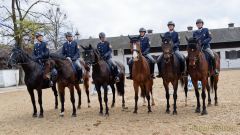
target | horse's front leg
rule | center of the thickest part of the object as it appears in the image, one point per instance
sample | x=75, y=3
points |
x=39, y=91
x=31, y=93
x=72, y=98
x=136, y=88
x=56, y=95
x=175, y=87
x=204, y=83
x=61, y=91
x=165, y=84
x=106, y=98
x=195, y=85
x=113, y=92
x=98, y=88
x=79, y=96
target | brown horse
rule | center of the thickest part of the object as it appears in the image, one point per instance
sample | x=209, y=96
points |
x=67, y=77
x=199, y=70
x=140, y=73
x=102, y=77
x=171, y=73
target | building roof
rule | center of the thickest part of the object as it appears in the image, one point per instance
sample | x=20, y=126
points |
x=218, y=35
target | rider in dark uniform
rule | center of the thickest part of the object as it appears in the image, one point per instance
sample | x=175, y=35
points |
x=41, y=53
x=105, y=51
x=71, y=51
x=173, y=35
x=145, y=49
x=205, y=38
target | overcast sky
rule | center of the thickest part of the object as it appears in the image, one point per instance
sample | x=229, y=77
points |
x=122, y=17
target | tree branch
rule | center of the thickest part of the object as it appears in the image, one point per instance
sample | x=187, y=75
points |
x=1, y=24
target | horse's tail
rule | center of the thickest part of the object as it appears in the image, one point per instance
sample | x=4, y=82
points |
x=143, y=91
x=212, y=79
x=120, y=87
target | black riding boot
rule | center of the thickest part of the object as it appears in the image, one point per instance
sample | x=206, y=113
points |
x=130, y=72
x=53, y=77
x=159, y=70
x=79, y=76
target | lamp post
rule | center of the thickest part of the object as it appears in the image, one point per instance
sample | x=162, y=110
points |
x=77, y=35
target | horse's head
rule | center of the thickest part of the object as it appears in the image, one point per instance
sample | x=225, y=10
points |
x=135, y=47
x=89, y=54
x=48, y=66
x=167, y=48
x=17, y=57
x=194, y=50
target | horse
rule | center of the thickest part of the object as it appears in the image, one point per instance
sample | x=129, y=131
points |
x=171, y=73
x=67, y=77
x=199, y=70
x=34, y=78
x=102, y=77
x=140, y=73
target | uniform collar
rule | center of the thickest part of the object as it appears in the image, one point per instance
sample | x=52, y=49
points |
x=69, y=42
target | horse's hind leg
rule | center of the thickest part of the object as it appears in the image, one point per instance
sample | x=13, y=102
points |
x=31, y=93
x=106, y=99
x=185, y=88
x=148, y=99
x=39, y=91
x=71, y=88
x=153, y=102
x=113, y=92
x=98, y=88
x=79, y=96
x=167, y=95
x=56, y=96
x=215, y=89
x=209, y=96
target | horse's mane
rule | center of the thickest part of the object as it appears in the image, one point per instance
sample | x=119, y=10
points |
x=24, y=53
x=57, y=56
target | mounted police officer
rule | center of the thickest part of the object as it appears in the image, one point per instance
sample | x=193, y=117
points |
x=105, y=50
x=145, y=49
x=41, y=53
x=173, y=35
x=205, y=37
x=71, y=51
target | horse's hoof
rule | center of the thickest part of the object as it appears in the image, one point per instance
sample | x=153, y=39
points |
x=209, y=104
x=56, y=107
x=112, y=105
x=216, y=103
x=74, y=115
x=89, y=106
x=153, y=104
x=144, y=105
x=34, y=115
x=149, y=111
x=135, y=111
x=198, y=110
x=106, y=115
x=124, y=108
x=204, y=112
x=40, y=116
x=79, y=107
x=100, y=113
x=61, y=114
x=174, y=112
x=167, y=111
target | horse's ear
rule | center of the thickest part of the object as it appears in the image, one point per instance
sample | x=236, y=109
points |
x=187, y=38
x=90, y=46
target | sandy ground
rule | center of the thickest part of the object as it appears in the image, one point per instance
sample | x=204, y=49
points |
x=16, y=114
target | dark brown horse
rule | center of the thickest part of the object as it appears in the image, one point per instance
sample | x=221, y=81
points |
x=67, y=77
x=102, y=77
x=171, y=73
x=140, y=73
x=199, y=70
x=34, y=78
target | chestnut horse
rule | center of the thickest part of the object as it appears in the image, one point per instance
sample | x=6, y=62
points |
x=102, y=77
x=200, y=70
x=67, y=77
x=171, y=73
x=34, y=78
x=140, y=73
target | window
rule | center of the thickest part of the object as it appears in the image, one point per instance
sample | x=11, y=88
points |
x=238, y=54
x=231, y=54
x=115, y=52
